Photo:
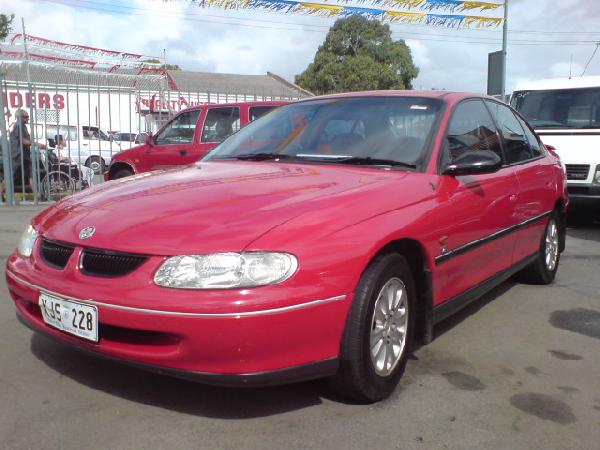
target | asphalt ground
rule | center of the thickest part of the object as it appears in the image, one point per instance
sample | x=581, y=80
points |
x=519, y=369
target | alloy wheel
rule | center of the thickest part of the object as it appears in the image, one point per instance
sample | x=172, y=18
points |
x=551, y=250
x=388, y=327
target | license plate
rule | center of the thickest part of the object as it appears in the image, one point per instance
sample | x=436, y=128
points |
x=72, y=317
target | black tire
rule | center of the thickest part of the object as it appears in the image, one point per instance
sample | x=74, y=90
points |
x=357, y=378
x=121, y=173
x=96, y=163
x=539, y=272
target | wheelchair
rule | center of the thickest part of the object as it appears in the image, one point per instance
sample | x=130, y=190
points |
x=58, y=177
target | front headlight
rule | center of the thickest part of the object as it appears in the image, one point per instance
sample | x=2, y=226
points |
x=597, y=175
x=27, y=241
x=226, y=270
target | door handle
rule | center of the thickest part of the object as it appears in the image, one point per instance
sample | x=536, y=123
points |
x=183, y=152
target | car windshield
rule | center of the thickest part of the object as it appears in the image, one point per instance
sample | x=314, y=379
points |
x=563, y=108
x=377, y=131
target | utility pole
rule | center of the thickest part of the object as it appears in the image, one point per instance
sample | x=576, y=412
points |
x=504, y=49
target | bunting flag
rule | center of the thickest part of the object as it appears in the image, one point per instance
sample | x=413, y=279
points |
x=48, y=44
x=52, y=59
x=431, y=5
x=331, y=10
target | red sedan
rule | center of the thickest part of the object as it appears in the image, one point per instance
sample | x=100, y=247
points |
x=319, y=241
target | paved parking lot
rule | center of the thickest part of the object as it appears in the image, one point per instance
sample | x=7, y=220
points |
x=520, y=369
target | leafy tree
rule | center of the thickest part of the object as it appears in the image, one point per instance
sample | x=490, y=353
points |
x=359, y=54
x=5, y=25
x=163, y=66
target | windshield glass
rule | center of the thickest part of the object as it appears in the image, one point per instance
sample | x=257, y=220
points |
x=564, y=108
x=363, y=130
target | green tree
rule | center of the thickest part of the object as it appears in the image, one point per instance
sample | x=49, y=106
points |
x=163, y=66
x=359, y=54
x=5, y=25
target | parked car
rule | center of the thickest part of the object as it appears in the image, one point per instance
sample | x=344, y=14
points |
x=188, y=137
x=90, y=146
x=137, y=138
x=319, y=241
x=566, y=115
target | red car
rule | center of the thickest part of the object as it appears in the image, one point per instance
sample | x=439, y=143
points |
x=319, y=241
x=188, y=137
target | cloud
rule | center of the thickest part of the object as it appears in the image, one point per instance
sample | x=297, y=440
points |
x=221, y=41
x=565, y=69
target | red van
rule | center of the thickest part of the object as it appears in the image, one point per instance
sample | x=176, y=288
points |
x=188, y=137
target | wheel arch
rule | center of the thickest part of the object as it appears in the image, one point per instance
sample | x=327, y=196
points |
x=561, y=211
x=416, y=257
x=119, y=165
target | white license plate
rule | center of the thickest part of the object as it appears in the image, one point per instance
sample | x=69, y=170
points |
x=73, y=317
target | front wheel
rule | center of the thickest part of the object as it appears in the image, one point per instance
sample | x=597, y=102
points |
x=379, y=331
x=543, y=269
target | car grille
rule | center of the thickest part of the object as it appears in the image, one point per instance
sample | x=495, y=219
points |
x=577, y=171
x=105, y=263
x=56, y=254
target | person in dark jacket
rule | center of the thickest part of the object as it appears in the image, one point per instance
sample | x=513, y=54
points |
x=20, y=147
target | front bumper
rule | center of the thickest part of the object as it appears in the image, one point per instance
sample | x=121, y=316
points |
x=274, y=345
x=584, y=196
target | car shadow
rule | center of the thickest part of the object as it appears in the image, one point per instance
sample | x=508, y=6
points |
x=471, y=309
x=172, y=393
x=584, y=227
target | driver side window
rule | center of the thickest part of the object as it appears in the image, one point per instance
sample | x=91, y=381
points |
x=180, y=131
x=471, y=129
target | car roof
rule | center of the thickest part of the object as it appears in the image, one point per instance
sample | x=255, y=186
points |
x=446, y=96
x=240, y=104
x=559, y=83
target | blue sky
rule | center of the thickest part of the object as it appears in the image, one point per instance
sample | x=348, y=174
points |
x=252, y=42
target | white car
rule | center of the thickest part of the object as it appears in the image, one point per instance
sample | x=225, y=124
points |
x=90, y=146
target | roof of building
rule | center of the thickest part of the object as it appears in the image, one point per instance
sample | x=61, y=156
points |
x=268, y=85
x=265, y=85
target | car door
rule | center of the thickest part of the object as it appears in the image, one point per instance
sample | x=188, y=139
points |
x=173, y=145
x=474, y=242
x=219, y=123
x=535, y=176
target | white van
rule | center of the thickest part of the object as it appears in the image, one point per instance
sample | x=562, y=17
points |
x=90, y=146
x=565, y=113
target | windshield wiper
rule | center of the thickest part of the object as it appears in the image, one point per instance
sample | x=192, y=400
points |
x=368, y=161
x=261, y=156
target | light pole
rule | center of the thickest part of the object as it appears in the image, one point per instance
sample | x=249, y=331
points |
x=504, y=49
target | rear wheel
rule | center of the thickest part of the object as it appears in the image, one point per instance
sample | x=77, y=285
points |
x=379, y=331
x=543, y=269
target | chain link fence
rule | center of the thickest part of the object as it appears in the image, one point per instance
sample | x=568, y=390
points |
x=61, y=126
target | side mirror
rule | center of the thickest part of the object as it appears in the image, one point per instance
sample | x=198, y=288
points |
x=149, y=140
x=473, y=163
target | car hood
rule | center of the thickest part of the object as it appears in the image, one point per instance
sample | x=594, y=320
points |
x=219, y=206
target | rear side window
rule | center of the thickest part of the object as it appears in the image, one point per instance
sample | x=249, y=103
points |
x=259, y=111
x=220, y=123
x=471, y=129
x=516, y=144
